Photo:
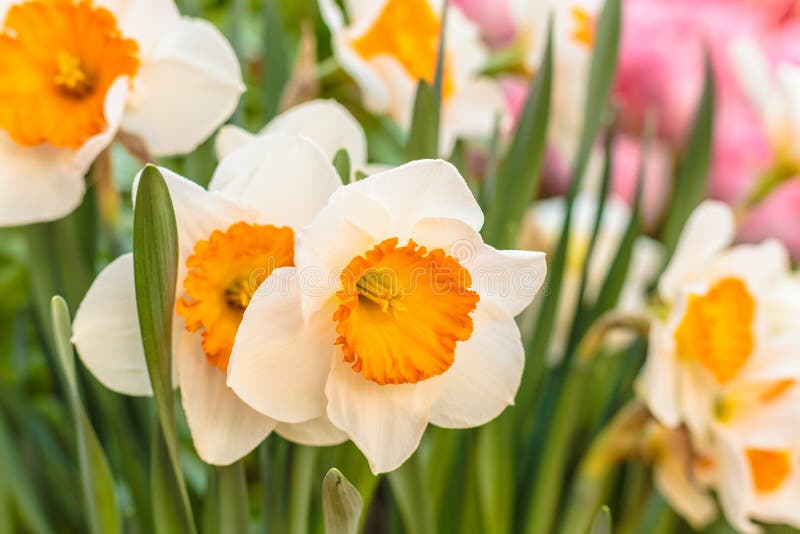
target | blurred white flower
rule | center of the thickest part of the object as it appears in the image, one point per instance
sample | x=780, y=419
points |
x=389, y=45
x=230, y=237
x=541, y=230
x=724, y=361
x=101, y=67
x=396, y=315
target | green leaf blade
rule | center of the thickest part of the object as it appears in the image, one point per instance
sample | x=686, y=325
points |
x=155, y=265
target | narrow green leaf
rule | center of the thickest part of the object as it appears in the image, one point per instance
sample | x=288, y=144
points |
x=342, y=163
x=601, y=77
x=602, y=522
x=275, y=58
x=21, y=491
x=169, y=509
x=423, y=136
x=519, y=175
x=691, y=182
x=234, y=512
x=494, y=462
x=97, y=481
x=341, y=504
x=618, y=271
x=304, y=461
x=155, y=261
x=412, y=496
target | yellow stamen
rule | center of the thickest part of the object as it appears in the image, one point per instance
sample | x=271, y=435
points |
x=583, y=29
x=71, y=77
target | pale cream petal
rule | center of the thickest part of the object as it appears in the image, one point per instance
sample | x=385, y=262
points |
x=286, y=179
x=230, y=138
x=709, y=229
x=486, y=373
x=278, y=365
x=318, y=432
x=224, y=428
x=385, y=422
x=185, y=91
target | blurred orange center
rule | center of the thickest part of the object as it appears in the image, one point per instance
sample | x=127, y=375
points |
x=769, y=468
x=717, y=329
x=58, y=59
x=583, y=26
x=401, y=312
x=408, y=31
x=224, y=273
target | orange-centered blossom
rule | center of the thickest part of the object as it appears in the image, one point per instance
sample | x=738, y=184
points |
x=769, y=468
x=402, y=310
x=224, y=273
x=717, y=329
x=58, y=59
x=408, y=31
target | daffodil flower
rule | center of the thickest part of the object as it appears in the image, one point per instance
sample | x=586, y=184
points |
x=74, y=73
x=396, y=314
x=231, y=237
x=724, y=361
x=389, y=45
x=541, y=229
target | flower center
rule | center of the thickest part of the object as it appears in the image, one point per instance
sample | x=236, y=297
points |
x=401, y=312
x=53, y=83
x=769, y=468
x=224, y=273
x=71, y=77
x=717, y=329
x=408, y=31
x=583, y=26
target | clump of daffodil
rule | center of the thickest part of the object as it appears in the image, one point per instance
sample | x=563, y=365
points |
x=231, y=237
x=101, y=68
x=724, y=365
x=387, y=46
x=395, y=314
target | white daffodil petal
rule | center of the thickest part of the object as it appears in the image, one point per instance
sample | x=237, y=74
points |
x=147, y=21
x=419, y=190
x=44, y=183
x=106, y=331
x=318, y=432
x=486, y=373
x=186, y=91
x=286, y=178
x=230, y=138
x=385, y=422
x=760, y=266
x=350, y=224
x=471, y=113
x=658, y=381
x=224, y=429
x=278, y=366
x=735, y=485
x=198, y=212
x=509, y=278
x=328, y=124
x=671, y=479
x=709, y=229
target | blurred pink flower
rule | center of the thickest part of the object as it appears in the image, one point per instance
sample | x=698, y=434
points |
x=492, y=16
x=778, y=216
x=657, y=187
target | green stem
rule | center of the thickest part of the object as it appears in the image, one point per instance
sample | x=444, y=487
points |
x=234, y=513
x=412, y=496
x=302, y=481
